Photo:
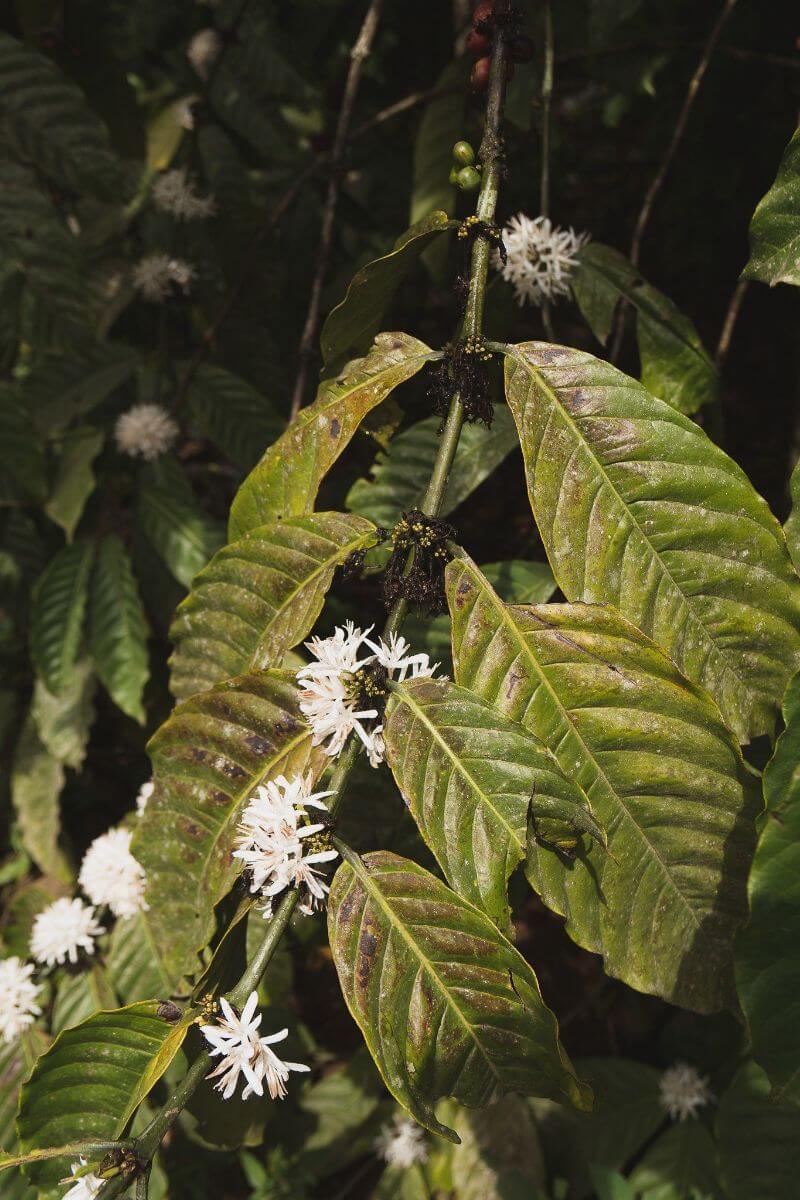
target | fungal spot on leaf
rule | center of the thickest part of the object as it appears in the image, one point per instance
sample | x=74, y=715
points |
x=367, y=946
x=286, y=725
x=233, y=770
x=257, y=744
x=168, y=1011
x=197, y=755
x=336, y=428
x=193, y=831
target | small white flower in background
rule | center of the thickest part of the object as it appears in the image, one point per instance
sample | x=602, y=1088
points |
x=155, y=274
x=402, y=1143
x=329, y=687
x=184, y=111
x=244, y=1052
x=85, y=1188
x=143, y=795
x=145, y=431
x=683, y=1091
x=62, y=929
x=111, y=875
x=18, y=993
x=540, y=258
x=272, y=841
x=174, y=193
x=203, y=49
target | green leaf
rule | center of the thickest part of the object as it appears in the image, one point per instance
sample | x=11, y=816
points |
x=134, y=963
x=59, y=606
x=74, y=481
x=47, y=121
x=286, y=481
x=353, y=323
x=233, y=414
x=258, y=597
x=118, y=628
x=21, y=451
x=758, y=1139
x=91, y=1081
x=470, y=778
x=397, y=476
x=775, y=227
x=16, y=1060
x=344, y=1104
x=638, y=508
x=79, y=996
x=441, y=127
x=792, y=526
x=37, y=778
x=627, y=1114
x=675, y=366
x=59, y=388
x=413, y=957
x=767, y=970
x=680, y=1165
x=63, y=721
x=500, y=1156
x=610, y=1185
x=662, y=774
x=183, y=536
x=207, y=759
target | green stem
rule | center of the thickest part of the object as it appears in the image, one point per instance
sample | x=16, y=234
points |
x=150, y=1139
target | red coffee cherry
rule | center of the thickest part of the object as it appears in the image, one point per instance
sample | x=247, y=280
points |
x=479, y=79
x=477, y=43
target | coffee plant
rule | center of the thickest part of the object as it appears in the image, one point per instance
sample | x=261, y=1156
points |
x=387, y=622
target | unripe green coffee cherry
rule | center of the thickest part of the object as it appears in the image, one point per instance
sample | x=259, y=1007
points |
x=463, y=154
x=468, y=179
x=454, y=170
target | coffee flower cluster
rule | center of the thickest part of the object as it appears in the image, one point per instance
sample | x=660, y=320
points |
x=280, y=846
x=340, y=693
x=683, y=1091
x=540, y=257
x=18, y=993
x=145, y=431
x=174, y=193
x=236, y=1040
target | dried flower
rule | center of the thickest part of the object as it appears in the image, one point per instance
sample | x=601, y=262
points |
x=683, y=1091
x=62, y=929
x=18, y=993
x=243, y=1052
x=145, y=431
x=540, y=258
x=401, y=1143
x=174, y=193
x=111, y=875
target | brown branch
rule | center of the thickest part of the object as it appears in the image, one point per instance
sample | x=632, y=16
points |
x=651, y=195
x=358, y=55
x=728, y=325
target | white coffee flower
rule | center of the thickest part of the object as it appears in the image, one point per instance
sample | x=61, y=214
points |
x=331, y=690
x=145, y=431
x=62, y=929
x=18, y=993
x=111, y=875
x=540, y=258
x=203, y=49
x=683, y=1091
x=236, y=1040
x=156, y=274
x=273, y=841
x=143, y=795
x=402, y=1143
x=85, y=1188
x=174, y=193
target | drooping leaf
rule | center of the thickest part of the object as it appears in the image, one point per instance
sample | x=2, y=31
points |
x=470, y=778
x=183, y=536
x=663, y=775
x=680, y=1165
x=638, y=508
x=118, y=628
x=134, y=963
x=675, y=366
x=758, y=1139
x=258, y=597
x=767, y=968
x=398, y=476
x=74, y=480
x=21, y=450
x=352, y=324
x=232, y=413
x=47, y=121
x=207, y=759
x=79, y=996
x=414, y=957
x=286, y=481
x=37, y=778
x=63, y=721
x=59, y=606
x=775, y=227
x=92, y=1079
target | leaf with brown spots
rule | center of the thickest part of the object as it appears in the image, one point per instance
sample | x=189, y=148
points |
x=639, y=509
x=446, y=1005
x=207, y=759
x=258, y=597
x=286, y=481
